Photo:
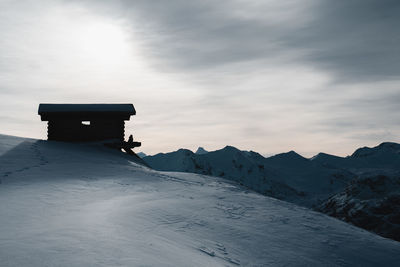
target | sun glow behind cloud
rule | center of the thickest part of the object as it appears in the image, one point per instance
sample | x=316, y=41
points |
x=88, y=43
x=65, y=53
x=66, y=45
x=103, y=43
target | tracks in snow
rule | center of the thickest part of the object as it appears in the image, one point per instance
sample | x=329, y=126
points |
x=33, y=159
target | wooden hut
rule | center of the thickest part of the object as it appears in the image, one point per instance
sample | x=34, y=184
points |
x=86, y=122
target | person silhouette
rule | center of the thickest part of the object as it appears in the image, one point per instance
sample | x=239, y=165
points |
x=130, y=139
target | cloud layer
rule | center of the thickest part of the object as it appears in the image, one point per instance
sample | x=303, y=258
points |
x=263, y=75
x=355, y=40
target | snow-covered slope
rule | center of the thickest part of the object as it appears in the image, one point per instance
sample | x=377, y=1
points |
x=141, y=154
x=84, y=205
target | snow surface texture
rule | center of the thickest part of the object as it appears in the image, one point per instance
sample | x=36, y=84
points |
x=309, y=182
x=84, y=205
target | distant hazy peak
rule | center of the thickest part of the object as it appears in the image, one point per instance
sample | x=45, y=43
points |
x=201, y=151
x=288, y=155
x=183, y=151
x=322, y=155
x=386, y=146
x=318, y=156
x=390, y=146
x=230, y=148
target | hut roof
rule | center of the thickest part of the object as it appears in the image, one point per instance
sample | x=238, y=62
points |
x=126, y=108
x=85, y=110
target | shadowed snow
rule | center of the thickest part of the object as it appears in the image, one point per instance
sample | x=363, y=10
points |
x=83, y=205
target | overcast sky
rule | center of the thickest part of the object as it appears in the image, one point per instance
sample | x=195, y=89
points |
x=268, y=76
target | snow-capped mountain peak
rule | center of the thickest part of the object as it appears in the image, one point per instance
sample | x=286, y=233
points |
x=201, y=151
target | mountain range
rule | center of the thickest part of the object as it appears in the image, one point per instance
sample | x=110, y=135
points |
x=324, y=182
